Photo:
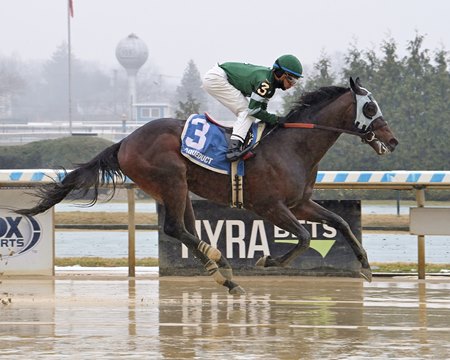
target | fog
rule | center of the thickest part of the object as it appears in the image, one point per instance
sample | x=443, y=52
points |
x=34, y=36
x=255, y=31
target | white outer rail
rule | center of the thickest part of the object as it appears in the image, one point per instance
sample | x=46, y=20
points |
x=396, y=180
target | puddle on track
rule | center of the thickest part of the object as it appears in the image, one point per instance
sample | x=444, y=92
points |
x=193, y=318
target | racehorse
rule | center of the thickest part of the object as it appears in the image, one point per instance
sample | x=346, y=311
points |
x=278, y=184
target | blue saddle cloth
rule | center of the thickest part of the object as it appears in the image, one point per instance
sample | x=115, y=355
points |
x=205, y=144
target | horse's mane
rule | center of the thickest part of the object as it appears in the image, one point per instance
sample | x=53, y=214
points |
x=315, y=100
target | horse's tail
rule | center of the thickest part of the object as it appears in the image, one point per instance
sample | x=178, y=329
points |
x=101, y=170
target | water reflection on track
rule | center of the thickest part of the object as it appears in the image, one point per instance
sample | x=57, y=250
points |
x=192, y=318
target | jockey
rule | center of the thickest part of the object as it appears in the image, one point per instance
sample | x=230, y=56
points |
x=231, y=83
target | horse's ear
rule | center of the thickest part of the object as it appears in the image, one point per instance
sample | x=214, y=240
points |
x=353, y=85
x=356, y=86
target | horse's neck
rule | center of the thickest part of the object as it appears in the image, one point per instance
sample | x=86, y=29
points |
x=338, y=115
x=315, y=145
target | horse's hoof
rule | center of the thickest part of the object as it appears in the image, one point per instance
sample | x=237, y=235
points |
x=262, y=261
x=233, y=288
x=366, y=274
x=267, y=261
x=226, y=273
x=237, y=290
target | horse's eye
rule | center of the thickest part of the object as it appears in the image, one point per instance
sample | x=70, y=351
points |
x=370, y=109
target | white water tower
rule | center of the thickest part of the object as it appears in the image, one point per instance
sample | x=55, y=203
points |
x=132, y=53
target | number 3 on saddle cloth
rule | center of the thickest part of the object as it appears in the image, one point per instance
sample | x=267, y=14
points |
x=205, y=143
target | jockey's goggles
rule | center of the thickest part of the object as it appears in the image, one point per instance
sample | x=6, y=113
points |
x=291, y=79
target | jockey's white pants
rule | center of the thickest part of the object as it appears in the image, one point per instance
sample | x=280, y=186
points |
x=215, y=82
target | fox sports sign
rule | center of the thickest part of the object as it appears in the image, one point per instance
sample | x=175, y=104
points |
x=18, y=234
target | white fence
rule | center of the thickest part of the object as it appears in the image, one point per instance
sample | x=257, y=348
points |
x=396, y=179
x=15, y=134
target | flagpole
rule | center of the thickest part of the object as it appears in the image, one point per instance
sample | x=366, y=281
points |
x=69, y=63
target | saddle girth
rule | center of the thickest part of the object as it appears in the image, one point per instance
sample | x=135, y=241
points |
x=237, y=187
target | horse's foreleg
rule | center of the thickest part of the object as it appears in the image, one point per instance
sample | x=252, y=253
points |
x=312, y=211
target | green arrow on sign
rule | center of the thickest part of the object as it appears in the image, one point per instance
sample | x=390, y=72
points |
x=322, y=246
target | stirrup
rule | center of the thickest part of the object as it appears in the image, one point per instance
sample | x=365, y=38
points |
x=234, y=150
x=233, y=154
x=244, y=154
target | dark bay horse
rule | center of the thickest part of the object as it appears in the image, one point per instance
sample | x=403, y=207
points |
x=278, y=183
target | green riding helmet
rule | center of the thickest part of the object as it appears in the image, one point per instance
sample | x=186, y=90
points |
x=290, y=64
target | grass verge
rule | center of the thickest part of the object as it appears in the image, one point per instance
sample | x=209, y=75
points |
x=408, y=267
x=103, y=262
x=101, y=217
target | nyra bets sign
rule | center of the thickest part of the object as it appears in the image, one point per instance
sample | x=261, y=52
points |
x=243, y=238
x=26, y=242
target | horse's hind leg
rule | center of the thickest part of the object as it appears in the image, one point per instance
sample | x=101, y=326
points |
x=221, y=270
x=174, y=226
x=164, y=178
x=312, y=211
x=178, y=209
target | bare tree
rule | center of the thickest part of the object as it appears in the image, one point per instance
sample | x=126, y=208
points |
x=11, y=80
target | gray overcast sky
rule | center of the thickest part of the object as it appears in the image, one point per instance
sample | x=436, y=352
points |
x=208, y=31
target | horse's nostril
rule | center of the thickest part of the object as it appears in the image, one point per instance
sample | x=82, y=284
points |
x=393, y=142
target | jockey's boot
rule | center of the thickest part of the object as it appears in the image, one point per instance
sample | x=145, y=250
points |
x=234, y=150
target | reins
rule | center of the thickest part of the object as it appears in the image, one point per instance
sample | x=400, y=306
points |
x=367, y=136
x=322, y=127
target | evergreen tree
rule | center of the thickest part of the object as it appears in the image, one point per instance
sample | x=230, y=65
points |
x=190, y=93
x=385, y=86
x=321, y=76
x=356, y=65
x=187, y=108
x=414, y=107
x=439, y=109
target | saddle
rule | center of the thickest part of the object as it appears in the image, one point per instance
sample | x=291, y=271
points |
x=205, y=142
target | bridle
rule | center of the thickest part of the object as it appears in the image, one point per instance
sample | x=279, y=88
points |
x=366, y=136
x=366, y=112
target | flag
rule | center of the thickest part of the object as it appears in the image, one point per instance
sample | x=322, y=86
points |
x=71, y=7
